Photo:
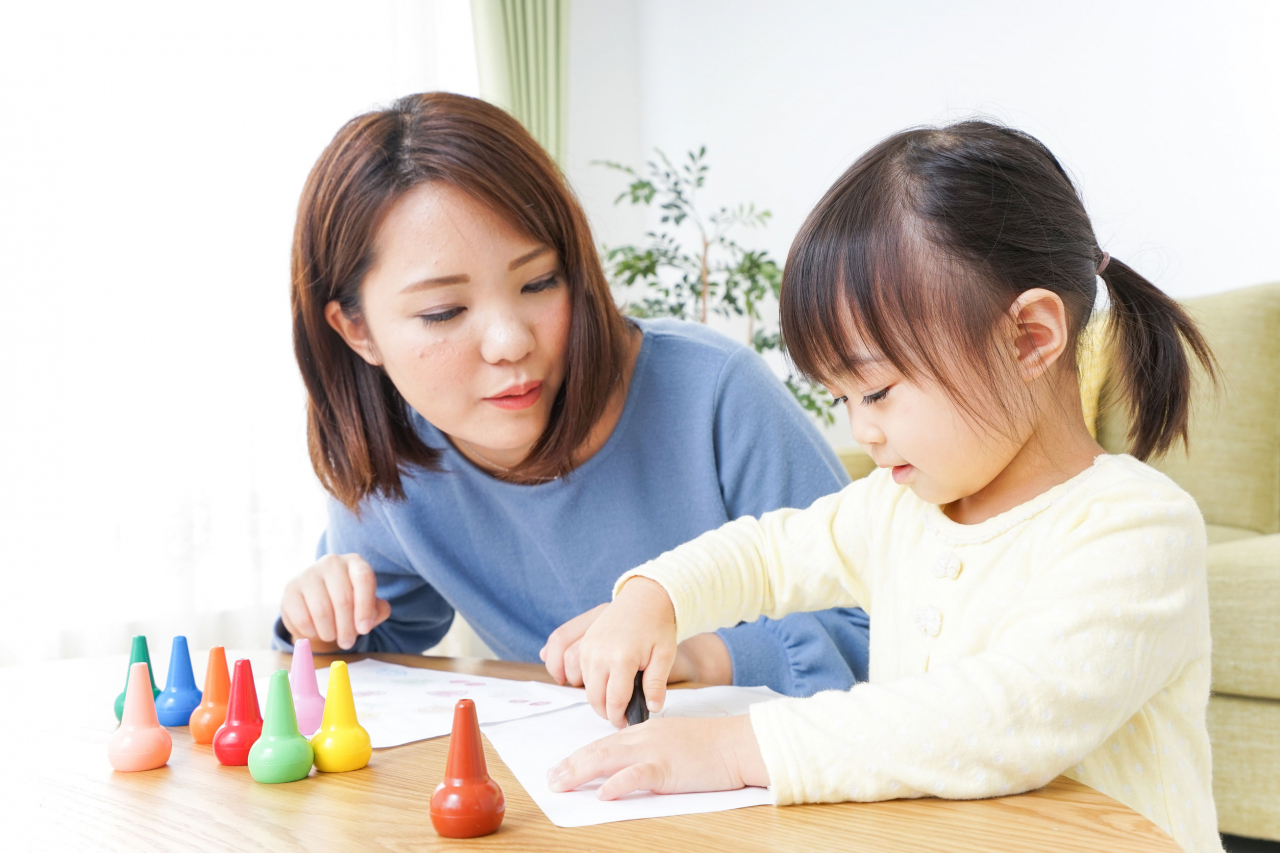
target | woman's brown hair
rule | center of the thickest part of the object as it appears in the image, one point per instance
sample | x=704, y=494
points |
x=359, y=429
x=920, y=248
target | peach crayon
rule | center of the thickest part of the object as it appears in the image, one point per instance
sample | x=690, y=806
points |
x=140, y=743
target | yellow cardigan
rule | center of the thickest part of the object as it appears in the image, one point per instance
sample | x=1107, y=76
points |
x=1069, y=635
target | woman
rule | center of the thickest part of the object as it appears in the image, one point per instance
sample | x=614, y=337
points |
x=498, y=439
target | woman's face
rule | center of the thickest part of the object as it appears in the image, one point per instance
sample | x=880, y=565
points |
x=469, y=318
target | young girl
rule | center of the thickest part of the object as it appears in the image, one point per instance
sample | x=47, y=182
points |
x=1038, y=607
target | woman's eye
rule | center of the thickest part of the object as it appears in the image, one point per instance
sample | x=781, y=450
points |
x=542, y=284
x=876, y=397
x=441, y=316
x=837, y=401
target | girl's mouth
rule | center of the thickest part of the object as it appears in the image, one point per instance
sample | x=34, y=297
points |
x=517, y=397
x=901, y=473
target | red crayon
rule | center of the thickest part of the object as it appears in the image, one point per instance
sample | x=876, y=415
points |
x=243, y=725
x=468, y=802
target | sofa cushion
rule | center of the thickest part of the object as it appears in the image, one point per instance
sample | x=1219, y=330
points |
x=1244, y=615
x=1220, y=533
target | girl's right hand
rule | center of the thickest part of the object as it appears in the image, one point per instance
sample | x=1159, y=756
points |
x=333, y=603
x=636, y=632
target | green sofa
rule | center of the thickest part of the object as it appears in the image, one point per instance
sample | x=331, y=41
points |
x=1233, y=471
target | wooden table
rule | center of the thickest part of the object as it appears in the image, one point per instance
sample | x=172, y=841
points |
x=59, y=792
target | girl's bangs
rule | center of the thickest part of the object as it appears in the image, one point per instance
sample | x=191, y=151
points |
x=865, y=279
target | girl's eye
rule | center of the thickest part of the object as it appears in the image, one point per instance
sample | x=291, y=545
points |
x=441, y=316
x=837, y=401
x=871, y=399
x=542, y=284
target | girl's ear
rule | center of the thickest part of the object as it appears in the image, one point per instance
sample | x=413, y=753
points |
x=1040, y=331
x=354, y=332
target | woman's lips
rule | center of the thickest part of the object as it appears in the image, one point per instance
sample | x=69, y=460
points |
x=901, y=473
x=520, y=397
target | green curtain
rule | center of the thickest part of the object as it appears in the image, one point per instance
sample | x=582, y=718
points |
x=522, y=49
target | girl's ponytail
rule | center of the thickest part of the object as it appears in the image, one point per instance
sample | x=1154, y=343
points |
x=1152, y=335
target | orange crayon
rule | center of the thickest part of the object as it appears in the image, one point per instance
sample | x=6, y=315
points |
x=213, y=708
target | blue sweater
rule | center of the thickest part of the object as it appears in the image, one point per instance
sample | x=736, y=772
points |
x=707, y=434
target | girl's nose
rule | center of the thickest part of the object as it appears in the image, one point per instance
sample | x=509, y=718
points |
x=863, y=428
x=507, y=338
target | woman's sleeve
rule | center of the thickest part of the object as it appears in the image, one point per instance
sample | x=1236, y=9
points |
x=769, y=455
x=1111, y=622
x=420, y=616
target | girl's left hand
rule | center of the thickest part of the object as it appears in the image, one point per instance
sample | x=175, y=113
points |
x=677, y=755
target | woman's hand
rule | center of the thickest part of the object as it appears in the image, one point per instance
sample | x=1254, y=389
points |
x=635, y=632
x=703, y=658
x=333, y=603
x=560, y=654
x=668, y=756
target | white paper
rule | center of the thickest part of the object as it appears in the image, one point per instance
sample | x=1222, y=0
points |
x=401, y=704
x=533, y=745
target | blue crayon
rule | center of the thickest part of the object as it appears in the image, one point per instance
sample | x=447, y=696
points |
x=180, y=696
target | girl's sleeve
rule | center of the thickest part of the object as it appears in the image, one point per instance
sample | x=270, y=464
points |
x=1111, y=622
x=420, y=616
x=786, y=561
x=770, y=455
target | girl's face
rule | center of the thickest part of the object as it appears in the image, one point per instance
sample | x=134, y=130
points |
x=915, y=428
x=469, y=318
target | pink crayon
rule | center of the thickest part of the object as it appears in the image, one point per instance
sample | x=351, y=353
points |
x=308, y=704
x=140, y=743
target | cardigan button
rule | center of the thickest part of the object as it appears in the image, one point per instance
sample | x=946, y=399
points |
x=929, y=621
x=948, y=566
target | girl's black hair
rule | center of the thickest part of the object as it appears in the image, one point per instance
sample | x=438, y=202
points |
x=917, y=252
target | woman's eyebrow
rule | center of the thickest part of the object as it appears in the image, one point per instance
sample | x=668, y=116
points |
x=463, y=278
x=528, y=256
x=460, y=278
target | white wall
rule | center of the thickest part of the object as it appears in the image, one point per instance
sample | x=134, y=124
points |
x=1166, y=113
x=604, y=116
x=153, y=464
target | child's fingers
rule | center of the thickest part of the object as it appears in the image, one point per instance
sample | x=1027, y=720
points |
x=342, y=599
x=364, y=593
x=603, y=757
x=655, y=677
x=622, y=683
x=596, y=680
x=316, y=597
x=646, y=776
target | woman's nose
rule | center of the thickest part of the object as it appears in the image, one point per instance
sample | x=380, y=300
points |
x=507, y=338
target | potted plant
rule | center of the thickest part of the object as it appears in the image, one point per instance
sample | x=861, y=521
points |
x=716, y=275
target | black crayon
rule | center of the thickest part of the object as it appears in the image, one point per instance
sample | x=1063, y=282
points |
x=637, y=708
